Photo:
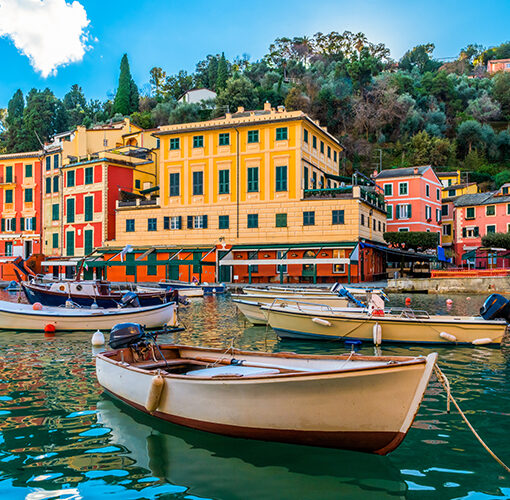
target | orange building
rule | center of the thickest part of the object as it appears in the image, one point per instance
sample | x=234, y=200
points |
x=498, y=65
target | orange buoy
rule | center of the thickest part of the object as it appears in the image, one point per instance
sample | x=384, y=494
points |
x=49, y=328
x=408, y=301
x=36, y=306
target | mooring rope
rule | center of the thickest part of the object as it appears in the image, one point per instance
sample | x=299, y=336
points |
x=446, y=384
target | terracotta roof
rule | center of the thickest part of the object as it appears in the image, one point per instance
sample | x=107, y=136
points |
x=15, y=156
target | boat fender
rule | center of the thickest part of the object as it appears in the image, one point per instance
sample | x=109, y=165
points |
x=36, y=306
x=448, y=336
x=320, y=321
x=49, y=329
x=98, y=338
x=377, y=334
x=482, y=341
x=155, y=391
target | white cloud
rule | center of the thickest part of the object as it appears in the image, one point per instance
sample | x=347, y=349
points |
x=51, y=33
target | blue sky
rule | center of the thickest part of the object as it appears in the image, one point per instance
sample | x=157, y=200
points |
x=175, y=35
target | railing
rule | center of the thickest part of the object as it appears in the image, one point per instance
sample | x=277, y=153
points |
x=374, y=199
x=138, y=203
x=328, y=192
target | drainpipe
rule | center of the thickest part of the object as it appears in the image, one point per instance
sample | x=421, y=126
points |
x=237, y=182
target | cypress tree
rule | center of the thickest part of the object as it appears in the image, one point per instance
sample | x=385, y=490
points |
x=212, y=72
x=14, y=122
x=221, y=79
x=126, y=98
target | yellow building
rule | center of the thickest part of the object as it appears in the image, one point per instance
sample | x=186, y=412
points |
x=254, y=178
x=459, y=189
x=449, y=178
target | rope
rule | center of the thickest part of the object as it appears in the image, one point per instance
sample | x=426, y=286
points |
x=446, y=384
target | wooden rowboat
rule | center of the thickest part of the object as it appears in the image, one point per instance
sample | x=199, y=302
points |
x=14, y=316
x=351, y=401
x=313, y=322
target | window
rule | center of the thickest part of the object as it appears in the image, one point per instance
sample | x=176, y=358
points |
x=314, y=142
x=253, y=179
x=48, y=185
x=314, y=180
x=447, y=229
x=308, y=218
x=174, y=184
x=281, y=220
x=329, y=152
x=70, y=178
x=8, y=196
x=197, y=221
x=253, y=136
x=281, y=268
x=28, y=170
x=281, y=179
x=322, y=147
x=428, y=212
x=198, y=141
x=29, y=197
x=389, y=211
x=403, y=211
x=223, y=222
x=438, y=215
x=470, y=212
x=508, y=209
x=338, y=268
x=48, y=163
x=8, y=173
x=138, y=184
x=427, y=190
x=491, y=229
x=175, y=143
x=281, y=134
x=70, y=209
x=224, y=139
x=305, y=179
x=403, y=230
x=379, y=225
x=175, y=222
x=374, y=224
x=8, y=248
x=388, y=190
x=338, y=217
x=198, y=183
x=253, y=220
x=490, y=210
x=55, y=184
x=334, y=156
x=54, y=238
x=444, y=210
x=402, y=188
x=89, y=208
x=224, y=187
x=362, y=219
x=55, y=161
x=451, y=192
x=305, y=135
x=55, y=212
x=89, y=175
x=254, y=268
x=437, y=194
x=152, y=224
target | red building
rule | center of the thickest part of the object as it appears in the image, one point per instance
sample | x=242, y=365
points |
x=20, y=204
x=413, y=198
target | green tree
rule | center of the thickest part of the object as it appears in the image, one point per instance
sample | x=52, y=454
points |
x=39, y=119
x=469, y=134
x=75, y=105
x=417, y=240
x=237, y=92
x=14, y=122
x=212, y=72
x=221, y=79
x=156, y=81
x=126, y=98
x=419, y=57
x=501, y=92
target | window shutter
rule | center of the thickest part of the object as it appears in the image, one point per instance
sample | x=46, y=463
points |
x=476, y=233
x=190, y=222
x=13, y=226
x=204, y=221
x=33, y=223
x=463, y=232
x=22, y=224
x=409, y=211
x=397, y=211
x=179, y=222
x=3, y=225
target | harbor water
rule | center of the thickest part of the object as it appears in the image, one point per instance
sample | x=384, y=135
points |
x=61, y=437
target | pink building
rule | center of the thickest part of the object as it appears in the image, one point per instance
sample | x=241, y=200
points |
x=477, y=215
x=413, y=198
x=498, y=65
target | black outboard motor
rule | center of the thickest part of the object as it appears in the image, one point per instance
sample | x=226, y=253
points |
x=125, y=335
x=130, y=299
x=496, y=306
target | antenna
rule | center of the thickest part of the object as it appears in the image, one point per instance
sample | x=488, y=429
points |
x=39, y=139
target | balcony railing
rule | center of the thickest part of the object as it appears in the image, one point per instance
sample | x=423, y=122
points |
x=138, y=203
x=328, y=192
x=374, y=199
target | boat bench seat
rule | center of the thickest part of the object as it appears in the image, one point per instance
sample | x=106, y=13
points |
x=150, y=365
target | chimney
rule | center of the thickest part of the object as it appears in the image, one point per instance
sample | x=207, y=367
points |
x=267, y=106
x=415, y=170
x=228, y=116
x=240, y=109
x=281, y=109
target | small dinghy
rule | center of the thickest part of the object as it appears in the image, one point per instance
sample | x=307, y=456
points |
x=14, y=316
x=364, y=403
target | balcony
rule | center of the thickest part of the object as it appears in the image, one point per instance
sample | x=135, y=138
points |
x=139, y=203
x=11, y=180
x=376, y=200
x=328, y=193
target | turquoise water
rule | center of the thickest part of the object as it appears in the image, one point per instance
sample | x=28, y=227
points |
x=60, y=437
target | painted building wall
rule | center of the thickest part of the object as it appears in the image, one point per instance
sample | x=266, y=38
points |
x=498, y=65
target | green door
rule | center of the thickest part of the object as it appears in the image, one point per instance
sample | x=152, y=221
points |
x=89, y=241
x=173, y=271
x=70, y=243
x=225, y=272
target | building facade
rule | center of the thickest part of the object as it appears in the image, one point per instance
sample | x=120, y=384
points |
x=413, y=198
x=20, y=204
x=498, y=65
x=262, y=188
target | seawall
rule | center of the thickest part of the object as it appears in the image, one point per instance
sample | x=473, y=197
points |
x=487, y=284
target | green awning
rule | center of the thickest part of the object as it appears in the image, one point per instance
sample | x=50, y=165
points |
x=469, y=255
x=149, y=190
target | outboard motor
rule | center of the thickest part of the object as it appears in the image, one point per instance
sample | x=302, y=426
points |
x=496, y=306
x=125, y=335
x=129, y=299
x=343, y=292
